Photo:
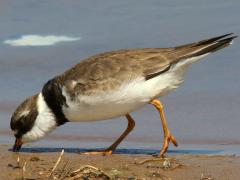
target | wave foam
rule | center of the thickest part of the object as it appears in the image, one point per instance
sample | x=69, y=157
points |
x=38, y=40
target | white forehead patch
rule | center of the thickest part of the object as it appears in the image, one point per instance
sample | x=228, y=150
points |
x=24, y=113
x=73, y=83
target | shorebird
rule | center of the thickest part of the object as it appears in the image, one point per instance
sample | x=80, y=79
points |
x=110, y=85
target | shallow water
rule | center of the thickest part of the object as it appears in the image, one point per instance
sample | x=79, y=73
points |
x=203, y=111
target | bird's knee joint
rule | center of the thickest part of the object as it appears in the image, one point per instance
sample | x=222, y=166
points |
x=161, y=106
x=132, y=125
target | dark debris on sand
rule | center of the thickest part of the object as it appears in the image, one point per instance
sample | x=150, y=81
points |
x=33, y=169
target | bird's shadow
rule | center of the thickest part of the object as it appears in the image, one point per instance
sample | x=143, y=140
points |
x=118, y=151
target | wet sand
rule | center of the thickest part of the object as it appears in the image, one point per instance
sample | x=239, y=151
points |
x=39, y=163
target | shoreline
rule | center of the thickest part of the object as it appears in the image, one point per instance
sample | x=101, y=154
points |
x=7, y=134
x=132, y=147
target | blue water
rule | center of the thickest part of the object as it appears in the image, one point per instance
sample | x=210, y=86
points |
x=203, y=111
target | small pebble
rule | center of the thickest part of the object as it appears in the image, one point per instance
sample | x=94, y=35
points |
x=10, y=165
x=149, y=165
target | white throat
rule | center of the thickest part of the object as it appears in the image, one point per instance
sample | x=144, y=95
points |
x=44, y=123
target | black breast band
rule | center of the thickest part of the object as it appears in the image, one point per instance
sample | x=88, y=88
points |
x=52, y=94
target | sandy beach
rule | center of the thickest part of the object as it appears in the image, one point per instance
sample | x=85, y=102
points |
x=39, y=164
x=203, y=114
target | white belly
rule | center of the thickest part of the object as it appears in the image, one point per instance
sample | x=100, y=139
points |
x=100, y=111
x=129, y=97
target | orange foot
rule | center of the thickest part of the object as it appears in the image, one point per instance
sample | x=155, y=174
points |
x=103, y=153
x=167, y=138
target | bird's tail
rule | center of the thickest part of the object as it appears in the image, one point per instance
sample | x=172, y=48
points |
x=203, y=47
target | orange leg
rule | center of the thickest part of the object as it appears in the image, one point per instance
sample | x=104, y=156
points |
x=109, y=151
x=167, y=134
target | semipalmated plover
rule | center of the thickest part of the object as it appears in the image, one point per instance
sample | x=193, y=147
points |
x=110, y=85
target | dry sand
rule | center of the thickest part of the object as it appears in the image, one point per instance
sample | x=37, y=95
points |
x=38, y=165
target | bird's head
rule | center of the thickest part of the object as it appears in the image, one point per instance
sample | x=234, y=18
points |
x=31, y=121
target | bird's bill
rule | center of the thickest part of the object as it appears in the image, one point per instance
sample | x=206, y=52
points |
x=18, y=144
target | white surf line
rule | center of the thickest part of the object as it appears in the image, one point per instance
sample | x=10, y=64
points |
x=39, y=40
